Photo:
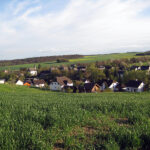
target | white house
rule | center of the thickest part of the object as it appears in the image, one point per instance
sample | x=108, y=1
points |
x=135, y=68
x=135, y=86
x=2, y=81
x=107, y=84
x=19, y=82
x=60, y=82
x=32, y=71
x=39, y=83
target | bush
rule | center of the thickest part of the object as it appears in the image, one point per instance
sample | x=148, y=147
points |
x=62, y=60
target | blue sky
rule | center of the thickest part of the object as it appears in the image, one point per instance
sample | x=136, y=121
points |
x=30, y=28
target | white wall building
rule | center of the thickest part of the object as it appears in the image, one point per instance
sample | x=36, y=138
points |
x=134, y=86
x=32, y=71
x=59, y=84
x=19, y=82
x=2, y=81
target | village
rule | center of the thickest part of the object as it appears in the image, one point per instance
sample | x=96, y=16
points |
x=81, y=78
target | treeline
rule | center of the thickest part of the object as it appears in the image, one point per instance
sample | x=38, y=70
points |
x=125, y=62
x=38, y=60
x=143, y=54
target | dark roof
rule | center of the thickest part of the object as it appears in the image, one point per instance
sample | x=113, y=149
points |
x=145, y=67
x=133, y=83
x=108, y=82
x=73, y=65
x=63, y=80
x=120, y=86
x=108, y=67
x=134, y=67
x=28, y=81
x=121, y=72
x=45, y=72
x=69, y=87
x=89, y=86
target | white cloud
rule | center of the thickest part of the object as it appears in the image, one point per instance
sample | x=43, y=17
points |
x=83, y=26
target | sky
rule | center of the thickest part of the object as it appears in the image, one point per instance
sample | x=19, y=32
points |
x=32, y=28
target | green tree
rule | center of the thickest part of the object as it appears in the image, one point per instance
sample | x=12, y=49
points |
x=95, y=73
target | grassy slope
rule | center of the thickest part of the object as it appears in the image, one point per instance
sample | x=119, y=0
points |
x=36, y=119
x=86, y=59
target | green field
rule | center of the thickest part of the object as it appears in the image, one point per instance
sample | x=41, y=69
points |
x=42, y=120
x=85, y=59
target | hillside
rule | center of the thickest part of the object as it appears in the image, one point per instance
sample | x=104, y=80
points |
x=37, y=60
x=81, y=59
x=35, y=119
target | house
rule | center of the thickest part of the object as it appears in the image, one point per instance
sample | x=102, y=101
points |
x=81, y=68
x=86, y=81
x=60, y=82
x=19, y=82
x=39, y=83
x=64, y=68
x=73, y=67
x=135, y=68
x=28, y=83
x=145, y=68
x=104, y=84
x=33, y=71
x=89, y=88
x=2, y=81
x=119, y=88
x=134, y=86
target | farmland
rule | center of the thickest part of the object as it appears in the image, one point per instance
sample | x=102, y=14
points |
x=39, y=119
x=85, y=59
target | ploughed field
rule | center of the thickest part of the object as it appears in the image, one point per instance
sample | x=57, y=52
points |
x=36, y=119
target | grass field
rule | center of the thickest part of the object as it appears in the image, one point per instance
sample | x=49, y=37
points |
x=43, y=120
x=85, y=59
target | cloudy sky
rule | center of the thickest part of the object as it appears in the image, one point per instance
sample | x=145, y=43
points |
x=30, y=28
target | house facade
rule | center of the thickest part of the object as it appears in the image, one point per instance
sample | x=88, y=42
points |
x=135, y=86
x=19, y=82
x=89, y=88
x=60, y=82
x=32, y=71
x=107, y=84
x=2, y=81
x=39, y=83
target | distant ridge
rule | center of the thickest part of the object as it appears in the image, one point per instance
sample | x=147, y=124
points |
x=37, y=60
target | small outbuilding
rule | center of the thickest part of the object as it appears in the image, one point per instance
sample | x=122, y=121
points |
x=19, y=82
x=2, y=81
